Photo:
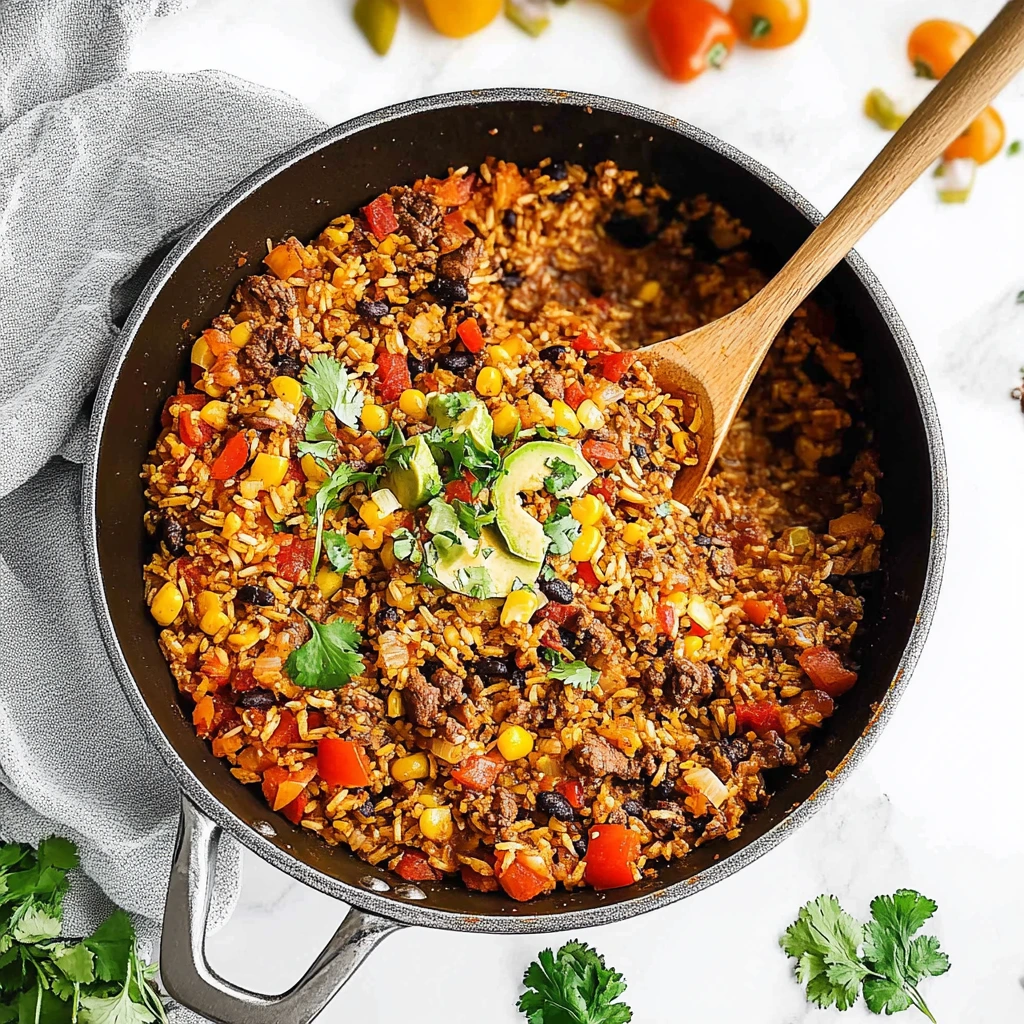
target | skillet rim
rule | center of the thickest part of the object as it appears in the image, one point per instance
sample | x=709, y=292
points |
x=409, y=913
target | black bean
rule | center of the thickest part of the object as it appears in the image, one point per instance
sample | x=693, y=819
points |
x=417, y=366
x=261, y=699
x=517, y=677
x=367, y=810
x=558, y=171
x=665, y=790
x=511, y=279
x=288, y=366
x=629, y=232
x=509, y=218
x=736, y=749
x=371, y=309
x=580, y=844
x=569, y=638
x=387, y=616
x=703, y=541
x=456, y=361
x=556, y=590
x=255, y=595
x=633, y=808
x=558, y=198
x=448, y=291
x=172, y=533
x=554, y=352
x=554, y=805
x=640, y=452
x=492, y=667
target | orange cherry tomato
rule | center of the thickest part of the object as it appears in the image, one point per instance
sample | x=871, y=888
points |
x=689, y=36
x=936, y=45
x=982, y=140
x=769, y=24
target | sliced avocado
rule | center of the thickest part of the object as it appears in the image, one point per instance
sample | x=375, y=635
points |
x=471, y=416
x=526, y=469
x=415, y=484
x=458, y=567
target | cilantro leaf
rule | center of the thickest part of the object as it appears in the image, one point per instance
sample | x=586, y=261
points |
x=454, y=403
x=338, y=551
x=573, y=987
x=327, y=497
x=462, y=451
x=563, y=475
x=397, y=454
x=112, y=944
x=574, y=672
x=885, y=996
x=36, y=922
x=551, y=435
x=329, y=658
x=76, y=963
x=474, y=581
x=325, y=381
x=472, y=517
x=320, y=450
x=561, y=530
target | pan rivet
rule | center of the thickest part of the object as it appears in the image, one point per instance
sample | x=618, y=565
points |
x=410, y=892
x=374, y=884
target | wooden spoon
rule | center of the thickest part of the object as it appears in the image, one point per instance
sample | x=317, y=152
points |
x=718, y=362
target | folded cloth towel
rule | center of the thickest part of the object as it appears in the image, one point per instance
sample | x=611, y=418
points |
x=99, y=172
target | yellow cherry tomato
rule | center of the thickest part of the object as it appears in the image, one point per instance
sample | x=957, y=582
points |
x=769, y=24
x=982, y=140
x=936, y=45
x=458, y=18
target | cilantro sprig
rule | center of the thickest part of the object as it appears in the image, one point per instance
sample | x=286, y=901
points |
x=573, y=987
x=572, y=671
x=562, y=476
x=329, y=658
x=561, y=529
x=328, y=496
x=47, y=980
x=325, y=381
x=837, y=957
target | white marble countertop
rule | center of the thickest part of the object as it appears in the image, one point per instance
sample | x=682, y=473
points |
x=937, y=806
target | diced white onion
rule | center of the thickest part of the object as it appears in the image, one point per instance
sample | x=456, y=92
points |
x=705, y=780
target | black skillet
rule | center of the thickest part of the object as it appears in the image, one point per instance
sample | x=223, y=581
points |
x=296, y=194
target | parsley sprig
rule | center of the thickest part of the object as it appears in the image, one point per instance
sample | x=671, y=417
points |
x=837, y=957
x=573, y=987
x=47, y=980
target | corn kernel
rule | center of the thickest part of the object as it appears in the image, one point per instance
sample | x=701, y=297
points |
x=232, y=524
x=289, y=390
x=588, y=510
x=248, y=635
x=506, y=419
x=515, y=346
x=268, y=468
x=208, y=601
x=649, y=291
x=398, y=595
x=677, y=601
x=312, y=469
x=373, y=417
x=210, y=388
x=565, y=417
x=202, y=355
x=213, y=622
x=635, y=533
x=489, y=382
x=389, y=246
x=519, y=607
x=215, y=414
x=451, y=636
x=589, y=415
x=370, y=539
x=515, y=742
x=413, y=403
x=371, y=514
x=498, y=354
x=691, y=645
x=680, y=442
x=586, y=544
x=329, y=582
x=412, y=766
x=436, y=824
x=167, y=602
x=394, y=704
x=335, y=236
x=354, y=540
x=241, y=333
x=387, y=555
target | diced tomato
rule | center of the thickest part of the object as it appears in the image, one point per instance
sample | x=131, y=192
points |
x=758, y=611
x=294, y=558
x=696, y=629
x=273, y=777
x=295, y=472
x=192, y=430
x=286, y=733
x=780, y=603
x=342, y=763
x=477, y=882
x=826, y=671
x=296, y=809
x=583, y=342
x=613, y=366
x=233, y=456
x=243, y=680
x=202, y=716
x=414, y=867
x=380, y=215
x=194, y=401
x=606, y=487
x=478, y=772
x=314, y=719
x=469, y=333
x=392, y=375
x=601, y=452
x=461, y=489
x=572, y=790
x=213, y=668
x=452, y=191
x=194, y=571
x=667, y=618
x=551, y=638
x=586, y=575
x=559, y=614
x=575, y=396
x=523, y=878
x=455, y=231
x=611, y=854
x=760, y=716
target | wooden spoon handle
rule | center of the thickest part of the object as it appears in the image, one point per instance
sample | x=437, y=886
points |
x=996, y=56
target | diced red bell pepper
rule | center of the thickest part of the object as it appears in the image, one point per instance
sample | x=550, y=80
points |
x=559, y=614
x=286, y=733
x=455, y=231
x=826, y=671
x=453, y=190
x=613, y=366
x=294, y=558
x=667, y=618
x=233, y=456
x=296, y=809
x=273, y=777
x=758, y=611
x=586, y=575
x=583, y=342
x=780, y=603
x=414, y=867
x=477, y=882
x=611, y=854
x=760, y=716
x=342, y=763
x=696, y=629
x=461, y=489
x=478, y=772
x=192, y=430
x=194, y=401
x=601, y=452
x=380, y=215
x=242, y=680
x=469, y=333
x=521, y=881
x=392, y=375
x=572, y=790
x=551, y=638
x=575, y=396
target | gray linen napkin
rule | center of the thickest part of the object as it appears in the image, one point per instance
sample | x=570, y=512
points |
x=99, y=171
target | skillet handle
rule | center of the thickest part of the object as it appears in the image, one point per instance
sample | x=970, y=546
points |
x=190, y=980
